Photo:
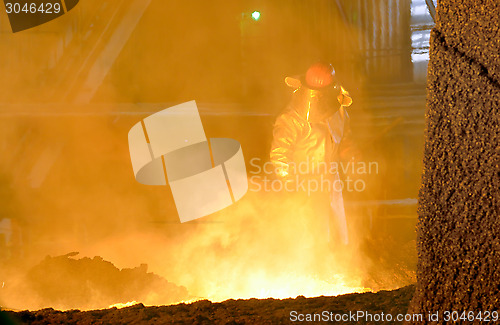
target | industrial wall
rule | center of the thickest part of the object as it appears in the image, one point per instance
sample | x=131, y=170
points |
x=459, y=199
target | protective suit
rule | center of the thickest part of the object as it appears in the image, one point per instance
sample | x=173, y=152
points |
x=312, y=135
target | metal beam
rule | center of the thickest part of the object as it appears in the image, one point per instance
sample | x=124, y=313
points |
x=341, y=11
x=110, y=51
x=432, y=9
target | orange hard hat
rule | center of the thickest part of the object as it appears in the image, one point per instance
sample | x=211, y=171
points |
x=320, y=75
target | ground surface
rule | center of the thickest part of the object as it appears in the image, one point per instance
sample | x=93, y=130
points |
x=253, y=311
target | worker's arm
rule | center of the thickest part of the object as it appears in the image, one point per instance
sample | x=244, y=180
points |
x=285, y=132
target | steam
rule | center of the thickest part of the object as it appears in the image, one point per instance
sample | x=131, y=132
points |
x=65, y=174
x=261, y=247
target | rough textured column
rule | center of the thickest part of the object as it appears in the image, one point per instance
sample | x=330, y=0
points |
x=459, y=199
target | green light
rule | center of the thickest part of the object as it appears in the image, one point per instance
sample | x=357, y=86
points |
x=256, y=15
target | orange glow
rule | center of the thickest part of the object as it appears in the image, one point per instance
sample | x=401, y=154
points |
x=71, y=89
x=266, y=246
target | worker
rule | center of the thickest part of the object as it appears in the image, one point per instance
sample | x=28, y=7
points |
x=312, y=136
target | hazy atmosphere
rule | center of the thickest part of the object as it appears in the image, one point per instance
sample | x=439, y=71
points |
x=72, y=88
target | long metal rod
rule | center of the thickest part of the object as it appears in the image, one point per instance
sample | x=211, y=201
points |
x=432, y=9
x=341, y=11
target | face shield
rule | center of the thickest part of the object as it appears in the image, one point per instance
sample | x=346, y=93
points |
x=316, y=104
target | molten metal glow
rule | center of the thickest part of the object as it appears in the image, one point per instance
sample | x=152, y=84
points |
x=123, y=305
x=288, y=286
x=270, y=245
